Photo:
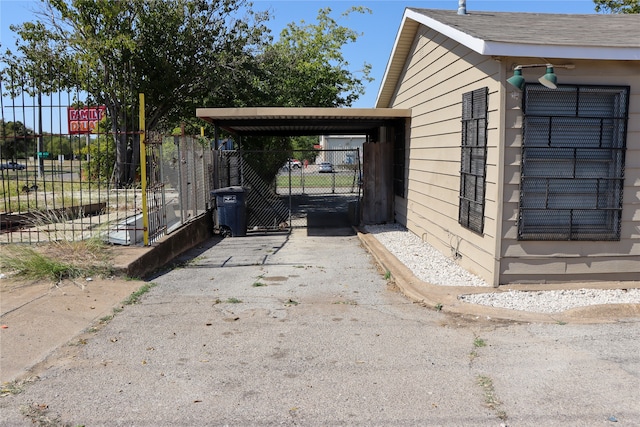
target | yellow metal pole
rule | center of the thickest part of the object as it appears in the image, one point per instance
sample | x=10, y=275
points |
x=143, y=175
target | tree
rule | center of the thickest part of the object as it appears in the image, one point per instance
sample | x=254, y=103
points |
x=59, y=144
x=305, y=147
x=16, y=140
x=617, y=6
x=176, y=52
x=182, y=54
x=306, y=67
x=101, y=154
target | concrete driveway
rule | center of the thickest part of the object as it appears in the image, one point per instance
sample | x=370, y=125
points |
x=298, y=329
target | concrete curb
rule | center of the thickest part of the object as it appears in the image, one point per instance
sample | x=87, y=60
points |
x=139, y=262
x=445, y=298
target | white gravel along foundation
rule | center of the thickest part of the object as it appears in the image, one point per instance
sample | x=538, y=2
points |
x=431, y=266
x=554, y=301
x=425, y=262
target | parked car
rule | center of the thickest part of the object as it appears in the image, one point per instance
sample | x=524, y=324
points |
x=12, y=165
x=325, y=167
x=292, y=164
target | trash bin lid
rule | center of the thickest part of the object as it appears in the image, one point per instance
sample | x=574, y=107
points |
x=233, y=189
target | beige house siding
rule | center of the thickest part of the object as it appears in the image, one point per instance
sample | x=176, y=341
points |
x=438, y=71
x=539, y=261
x=429, y=71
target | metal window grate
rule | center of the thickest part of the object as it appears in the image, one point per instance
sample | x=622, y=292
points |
x=573, y=156
x=473, y=159
x=399, y=163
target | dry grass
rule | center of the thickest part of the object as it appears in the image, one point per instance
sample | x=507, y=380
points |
x=57, y=260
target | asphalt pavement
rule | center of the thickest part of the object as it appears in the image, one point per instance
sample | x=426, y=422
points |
x=305, y=329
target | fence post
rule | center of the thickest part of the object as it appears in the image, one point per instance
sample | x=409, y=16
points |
x=143, y=175
x=333, y=181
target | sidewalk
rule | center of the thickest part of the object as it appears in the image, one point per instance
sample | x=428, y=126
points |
x=41, y=317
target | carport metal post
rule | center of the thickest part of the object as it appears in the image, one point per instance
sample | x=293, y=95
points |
x=289, y=167
x=333, y=181
x=241, y=153
x=356, y=175
x=216, y=161
x=143, y=174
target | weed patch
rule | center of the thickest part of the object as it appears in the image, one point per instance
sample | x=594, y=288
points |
x=135, y=297
x=106, y=319
x=57, y=261
x=479, y=342
x=346, y=302
x=15, y=387
x=28, y=263
x=490, y=398
x=38, y=414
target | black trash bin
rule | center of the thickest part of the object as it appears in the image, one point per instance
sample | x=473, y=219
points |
x=231, y=211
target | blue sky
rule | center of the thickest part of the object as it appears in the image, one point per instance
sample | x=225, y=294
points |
x=378, y=28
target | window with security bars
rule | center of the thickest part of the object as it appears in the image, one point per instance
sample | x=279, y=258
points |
x=399, y=162
x=474, y=159
x=573, y=157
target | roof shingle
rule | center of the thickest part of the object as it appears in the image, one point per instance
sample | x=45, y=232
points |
x=595, y=30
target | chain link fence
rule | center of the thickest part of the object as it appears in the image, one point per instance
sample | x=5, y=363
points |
x=284, y=189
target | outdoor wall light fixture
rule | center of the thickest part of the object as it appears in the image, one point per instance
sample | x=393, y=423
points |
x=549, y=79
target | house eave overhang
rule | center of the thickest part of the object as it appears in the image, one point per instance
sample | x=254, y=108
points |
x=559, y=51
x=523, y=49
x=412, y=20
x=277, y=121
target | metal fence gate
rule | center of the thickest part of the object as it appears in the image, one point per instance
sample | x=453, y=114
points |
x=288, y=189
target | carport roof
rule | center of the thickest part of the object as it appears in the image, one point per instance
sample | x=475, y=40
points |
x=280, y=121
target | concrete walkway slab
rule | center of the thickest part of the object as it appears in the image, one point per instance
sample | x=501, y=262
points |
x=299, y=329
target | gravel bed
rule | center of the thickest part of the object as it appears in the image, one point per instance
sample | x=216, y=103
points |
x=431, y=266
x=554, y=301
x=427, y=263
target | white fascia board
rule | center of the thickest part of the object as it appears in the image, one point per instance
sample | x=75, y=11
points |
x=492, y=48
x=393, y=54
x=469, y=41
x=568, y=52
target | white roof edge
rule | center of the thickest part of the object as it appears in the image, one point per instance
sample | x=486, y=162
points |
x=484, y=47
x=491, y=48
x=471, y=42
x=393, y=52
x=568, y=52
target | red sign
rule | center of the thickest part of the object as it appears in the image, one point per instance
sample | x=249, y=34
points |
x=85, y=120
